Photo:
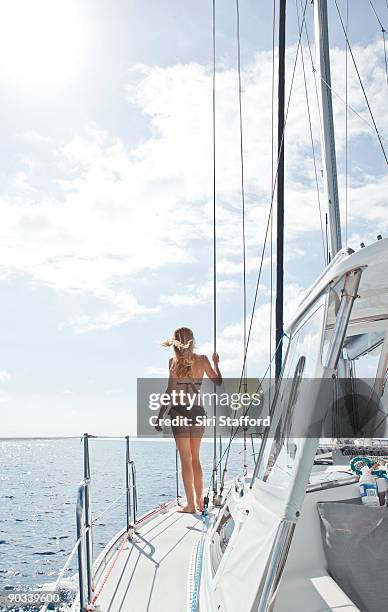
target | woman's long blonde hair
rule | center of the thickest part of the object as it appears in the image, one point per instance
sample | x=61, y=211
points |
x=183, y=342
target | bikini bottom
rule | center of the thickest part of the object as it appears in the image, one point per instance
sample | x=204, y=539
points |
x=189, y=420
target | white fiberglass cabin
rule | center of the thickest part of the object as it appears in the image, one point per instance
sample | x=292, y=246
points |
x=266, y=550
x=293, y=536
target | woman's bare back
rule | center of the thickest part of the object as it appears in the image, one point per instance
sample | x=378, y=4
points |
x=201, y=366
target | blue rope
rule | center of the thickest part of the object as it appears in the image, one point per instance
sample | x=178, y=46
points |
x=380, y=473
x=364, y=460
x=198, y=563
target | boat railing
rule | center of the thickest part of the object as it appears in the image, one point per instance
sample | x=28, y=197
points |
x=83, y=547
x=131, y=489
x=63, y=570
x=85, y=543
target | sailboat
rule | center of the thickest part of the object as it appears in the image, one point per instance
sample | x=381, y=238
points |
x=293, y=535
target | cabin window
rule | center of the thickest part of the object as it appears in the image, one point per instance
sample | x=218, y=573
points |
x=300, y=369
x=333, y=305
x=355, y=409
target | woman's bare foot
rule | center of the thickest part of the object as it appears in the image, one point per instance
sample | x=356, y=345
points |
x=187, y=509
x=200, y=505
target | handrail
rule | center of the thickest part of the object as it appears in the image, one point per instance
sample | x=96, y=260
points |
x=134, y=491
x=62, y=572
x=84, y=523
x=80, y=549
x=88, y=520
x=131, y=490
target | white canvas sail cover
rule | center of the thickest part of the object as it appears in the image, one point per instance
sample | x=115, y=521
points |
x=276, y=497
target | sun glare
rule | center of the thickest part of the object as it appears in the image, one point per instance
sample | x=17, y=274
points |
x=41, y=42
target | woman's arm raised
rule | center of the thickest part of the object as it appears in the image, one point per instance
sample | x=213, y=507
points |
x=213, y=373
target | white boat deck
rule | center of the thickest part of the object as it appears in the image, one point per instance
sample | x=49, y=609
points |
x=151, y=574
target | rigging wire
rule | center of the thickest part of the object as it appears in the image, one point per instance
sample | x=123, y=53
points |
x=242, y=180
x=325, y=236
x=346, y=128
x=314, y=73
x=273, y=191
x=312, y=141
x=245, y=373
x=272, y=179
x=377, y=17
x=214, y=473
x=383, y=31
x=361, y=83
x=235, y=431
x=281, y=96
x=232, y=433
x=337, y=95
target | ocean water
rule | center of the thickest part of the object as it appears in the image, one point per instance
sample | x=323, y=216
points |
x=38, y=487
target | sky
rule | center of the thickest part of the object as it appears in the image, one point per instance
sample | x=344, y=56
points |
x=106, y=191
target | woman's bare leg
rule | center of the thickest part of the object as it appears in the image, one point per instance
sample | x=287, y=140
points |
x=183, y=445
x=195, y=444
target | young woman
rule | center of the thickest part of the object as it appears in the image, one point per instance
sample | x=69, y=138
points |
x=186, y=371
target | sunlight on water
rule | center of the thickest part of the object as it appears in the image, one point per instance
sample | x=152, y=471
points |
x=38, y=486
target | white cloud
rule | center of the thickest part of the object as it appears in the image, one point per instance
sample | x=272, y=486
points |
x=33, y=136
x=230, y=345
x=114, y=392
x=201, y=294
x=125, y=213
x=158, y=372
x=4, y=376
x=20, y=181
x=124, y=308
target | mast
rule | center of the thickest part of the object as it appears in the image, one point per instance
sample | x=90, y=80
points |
x=327, y=134
x=280, y=192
